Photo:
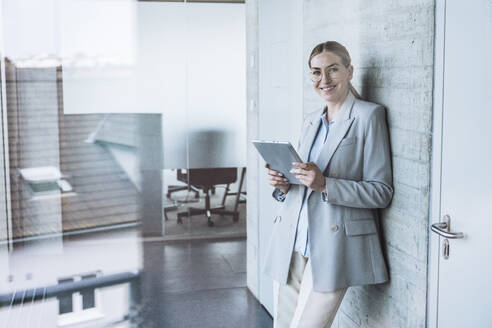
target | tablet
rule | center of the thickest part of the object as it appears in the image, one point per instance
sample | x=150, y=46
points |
x=279, y=155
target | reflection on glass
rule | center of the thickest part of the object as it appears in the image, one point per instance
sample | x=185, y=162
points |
x=124, y=132
x=67, y=177
x=98, y=56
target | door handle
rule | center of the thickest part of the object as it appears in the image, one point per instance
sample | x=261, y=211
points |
x=442, y=229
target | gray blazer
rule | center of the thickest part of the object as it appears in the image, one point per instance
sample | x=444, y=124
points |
x=344, y=232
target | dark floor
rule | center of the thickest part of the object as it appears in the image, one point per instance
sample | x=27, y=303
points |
x=196, y=226
x=198, y=284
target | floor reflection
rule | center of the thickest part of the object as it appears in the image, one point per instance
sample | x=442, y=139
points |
x=46, y=264
x=181, y=284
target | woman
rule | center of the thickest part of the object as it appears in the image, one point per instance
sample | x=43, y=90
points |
x=326, y=236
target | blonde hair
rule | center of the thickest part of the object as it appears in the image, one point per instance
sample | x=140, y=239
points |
x=339, y=50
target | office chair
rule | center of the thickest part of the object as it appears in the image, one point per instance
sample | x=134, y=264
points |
x=175, y=188
x=207, y=179
x=240, y=194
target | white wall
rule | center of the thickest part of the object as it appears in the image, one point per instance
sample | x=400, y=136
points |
x=278, y=116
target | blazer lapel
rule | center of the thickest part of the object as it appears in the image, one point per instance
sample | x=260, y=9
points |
x=309, y=139
x=336, y=133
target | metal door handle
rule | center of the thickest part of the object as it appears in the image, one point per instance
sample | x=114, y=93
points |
x=439, y=229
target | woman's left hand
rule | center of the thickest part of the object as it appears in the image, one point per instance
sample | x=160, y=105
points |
x=310, y=175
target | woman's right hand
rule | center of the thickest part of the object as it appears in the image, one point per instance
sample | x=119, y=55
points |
x=277, y=179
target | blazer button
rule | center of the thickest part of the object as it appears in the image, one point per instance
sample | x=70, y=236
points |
x=334, y=227
x=335, y=174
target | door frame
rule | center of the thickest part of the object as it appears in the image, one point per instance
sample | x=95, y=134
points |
x=5, y=206
x=436, y=167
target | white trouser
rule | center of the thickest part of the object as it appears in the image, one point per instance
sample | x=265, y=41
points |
x=296, y=305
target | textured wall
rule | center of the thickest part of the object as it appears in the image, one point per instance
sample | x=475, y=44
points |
x=391, y=44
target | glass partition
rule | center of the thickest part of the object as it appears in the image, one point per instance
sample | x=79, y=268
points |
x=124, y=127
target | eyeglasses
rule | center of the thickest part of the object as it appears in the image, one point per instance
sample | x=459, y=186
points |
x=333, y=72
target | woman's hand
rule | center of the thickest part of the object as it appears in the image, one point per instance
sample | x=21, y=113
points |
x=310, y=175
x=277, y=179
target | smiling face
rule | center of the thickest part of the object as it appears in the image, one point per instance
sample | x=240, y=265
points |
x=330, y=77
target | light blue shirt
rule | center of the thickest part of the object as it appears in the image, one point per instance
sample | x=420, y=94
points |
x=302, y=235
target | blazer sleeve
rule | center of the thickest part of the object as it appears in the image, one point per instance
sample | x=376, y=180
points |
x=375, y=190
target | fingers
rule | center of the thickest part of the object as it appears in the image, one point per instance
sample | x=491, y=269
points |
x=273, y=172
x=278, y=179
x=269, y=170
x=275, y=178
x=278, y=183
x=302, y=165
x=302, y=168
x=305, y=179
x=305, y=172
x=299, y=171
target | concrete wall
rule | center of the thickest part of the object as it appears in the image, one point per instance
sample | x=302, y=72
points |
x=391, y=44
